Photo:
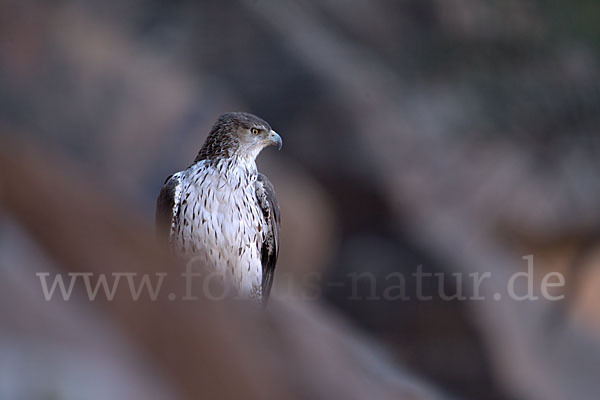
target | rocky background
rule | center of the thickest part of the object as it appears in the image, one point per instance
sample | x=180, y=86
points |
x=459, y=135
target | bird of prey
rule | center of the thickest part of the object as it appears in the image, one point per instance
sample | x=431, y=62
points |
x=224, y=212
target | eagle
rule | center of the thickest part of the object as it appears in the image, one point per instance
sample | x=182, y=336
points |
x=222, y=211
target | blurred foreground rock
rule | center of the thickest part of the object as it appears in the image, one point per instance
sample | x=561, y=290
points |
x=57, y=220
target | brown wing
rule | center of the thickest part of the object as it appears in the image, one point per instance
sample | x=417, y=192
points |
x=265, y=194
x=167, y=206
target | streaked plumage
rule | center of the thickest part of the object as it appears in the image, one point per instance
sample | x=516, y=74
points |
x=222, y=211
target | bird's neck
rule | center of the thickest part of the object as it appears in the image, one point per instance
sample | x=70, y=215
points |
x=244, y=163
x=236, y=168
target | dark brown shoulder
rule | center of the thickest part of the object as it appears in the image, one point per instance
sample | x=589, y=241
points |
x=265, y=194
x=167, y=205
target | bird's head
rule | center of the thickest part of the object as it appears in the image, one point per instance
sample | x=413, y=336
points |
x=241, y=134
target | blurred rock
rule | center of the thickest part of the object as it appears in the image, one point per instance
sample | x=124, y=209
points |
x=221, y=349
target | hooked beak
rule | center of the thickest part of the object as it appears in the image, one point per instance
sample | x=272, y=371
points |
x=274, y=139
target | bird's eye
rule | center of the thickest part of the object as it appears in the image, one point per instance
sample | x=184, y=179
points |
x=254, y=131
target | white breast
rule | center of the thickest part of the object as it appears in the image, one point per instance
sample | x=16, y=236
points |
x=220, y=223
